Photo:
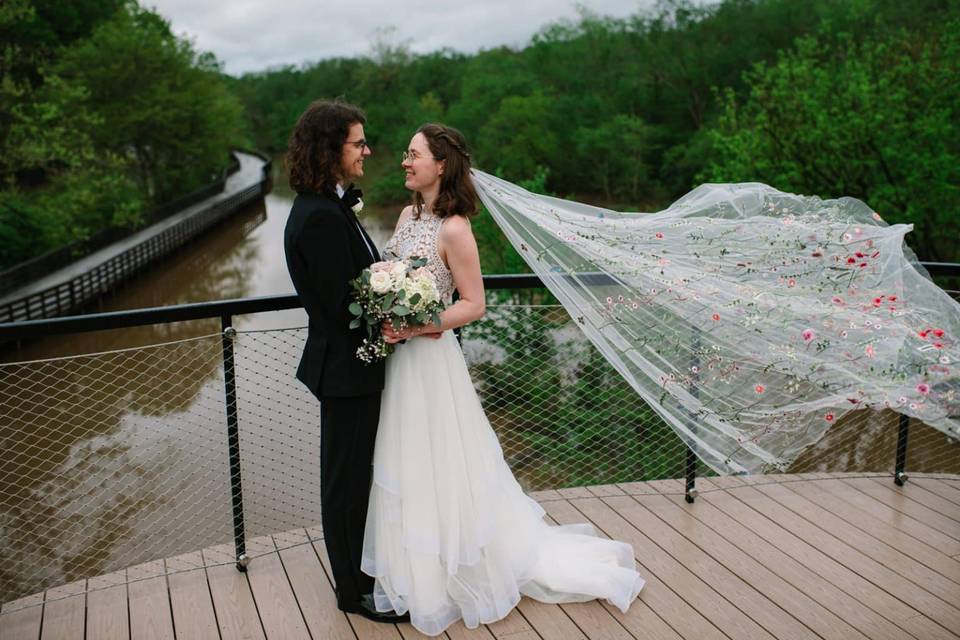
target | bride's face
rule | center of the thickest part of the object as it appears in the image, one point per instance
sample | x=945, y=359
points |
x=422, y=170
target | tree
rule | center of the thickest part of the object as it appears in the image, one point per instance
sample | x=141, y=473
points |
x=162, y=104
x=876, y=120
x=616, y=148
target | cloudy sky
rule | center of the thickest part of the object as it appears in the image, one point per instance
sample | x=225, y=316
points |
x=252, y=35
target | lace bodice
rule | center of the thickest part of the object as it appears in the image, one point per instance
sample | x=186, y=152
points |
x=419, y=236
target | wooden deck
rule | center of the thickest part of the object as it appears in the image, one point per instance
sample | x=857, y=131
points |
x=837, y=557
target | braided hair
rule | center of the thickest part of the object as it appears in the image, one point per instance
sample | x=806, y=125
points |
x=457, y=194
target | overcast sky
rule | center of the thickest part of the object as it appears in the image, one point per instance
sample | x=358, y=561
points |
x=253, y=35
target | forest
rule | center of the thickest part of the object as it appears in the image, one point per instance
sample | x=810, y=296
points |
x=829, y=97
x=104, y=112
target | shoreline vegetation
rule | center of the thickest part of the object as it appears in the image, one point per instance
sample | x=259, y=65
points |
x=105, y=113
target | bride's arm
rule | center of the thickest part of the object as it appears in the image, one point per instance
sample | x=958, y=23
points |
x=459, y=249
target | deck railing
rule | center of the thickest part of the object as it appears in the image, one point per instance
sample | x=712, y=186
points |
x=204, y=437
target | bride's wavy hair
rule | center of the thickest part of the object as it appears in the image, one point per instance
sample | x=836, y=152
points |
x=316, y=144
x=457, y=193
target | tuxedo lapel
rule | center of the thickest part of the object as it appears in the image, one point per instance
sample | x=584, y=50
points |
x=355, y=223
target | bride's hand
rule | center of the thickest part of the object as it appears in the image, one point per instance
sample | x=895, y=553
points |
x=392, y=335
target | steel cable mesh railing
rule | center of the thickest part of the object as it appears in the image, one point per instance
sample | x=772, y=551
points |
x=109, y=460
x=115, y=459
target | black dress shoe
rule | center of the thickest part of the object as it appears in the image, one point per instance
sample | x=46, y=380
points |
x=368, y=610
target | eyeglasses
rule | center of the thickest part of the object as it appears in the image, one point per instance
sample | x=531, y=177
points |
x=412, y=156
x=359, y=144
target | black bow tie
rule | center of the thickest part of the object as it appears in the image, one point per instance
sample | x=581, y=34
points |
x=351, y=196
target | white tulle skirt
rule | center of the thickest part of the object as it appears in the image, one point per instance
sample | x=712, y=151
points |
x=450, y=533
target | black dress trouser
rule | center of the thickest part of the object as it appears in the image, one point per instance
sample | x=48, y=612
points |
x=348, y=432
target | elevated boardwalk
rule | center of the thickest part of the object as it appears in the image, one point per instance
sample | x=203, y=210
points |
x=74, y=285
x=832, y=556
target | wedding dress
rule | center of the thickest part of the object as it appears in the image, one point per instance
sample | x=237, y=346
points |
x=450, y=534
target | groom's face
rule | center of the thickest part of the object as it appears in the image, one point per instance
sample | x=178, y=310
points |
x=355, y=149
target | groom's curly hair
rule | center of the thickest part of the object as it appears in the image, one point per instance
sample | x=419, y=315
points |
x=457, y=193
x=316, y=144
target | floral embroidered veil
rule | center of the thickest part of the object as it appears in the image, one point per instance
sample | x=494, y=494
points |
x=750, y=319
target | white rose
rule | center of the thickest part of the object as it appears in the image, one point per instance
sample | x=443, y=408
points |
x=381, y=282
x=380, y=266
x=358, y=207
x=398, y=271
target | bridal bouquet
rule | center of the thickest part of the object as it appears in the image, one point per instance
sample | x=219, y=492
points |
x=401, y=292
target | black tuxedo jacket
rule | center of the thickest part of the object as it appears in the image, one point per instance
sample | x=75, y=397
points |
x=325, y=250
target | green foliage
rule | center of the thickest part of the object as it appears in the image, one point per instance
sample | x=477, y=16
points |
x=575, y=419
x=162, y=100
x=628, y=110
x=617, y=147
x=875, y=119
x=103, y=113
x=497, y=255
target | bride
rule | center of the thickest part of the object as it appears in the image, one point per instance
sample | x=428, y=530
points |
x=450, y=534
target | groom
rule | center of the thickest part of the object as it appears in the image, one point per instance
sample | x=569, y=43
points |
x=326, y=247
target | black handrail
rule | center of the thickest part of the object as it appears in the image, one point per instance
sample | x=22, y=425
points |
x=25, y=329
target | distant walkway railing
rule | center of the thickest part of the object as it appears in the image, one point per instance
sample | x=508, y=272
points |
x=118, y=458
x=71, y=295
x=35, y=268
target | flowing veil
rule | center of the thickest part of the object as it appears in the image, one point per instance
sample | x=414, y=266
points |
x=750, y=319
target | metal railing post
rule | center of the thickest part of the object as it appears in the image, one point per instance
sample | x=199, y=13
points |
x=690, y=492
x=899, y=477
x=228, y=333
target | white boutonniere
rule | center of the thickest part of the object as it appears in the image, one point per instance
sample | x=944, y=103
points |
x=358, y=207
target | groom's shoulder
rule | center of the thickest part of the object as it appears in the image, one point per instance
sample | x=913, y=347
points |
x=311, y=206
x=307, y=201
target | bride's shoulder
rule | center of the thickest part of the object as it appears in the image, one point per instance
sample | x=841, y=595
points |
x=455, y=225
x=405, y=214
x=456, y=231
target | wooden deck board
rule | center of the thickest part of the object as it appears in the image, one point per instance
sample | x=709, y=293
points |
x=787, y=557
x=276, y=602
x=887, y=556
x=829, y=556
x=63, y=612
x=885, y=513
x=939, y=487
x=801, y=606
x=149, y=601
x=918, y=550
x=193, y=613
x=662, y=601
x=907, y=503
x=108, y=615
x=754, y=602
x=318, y=602
x=693, y=588
x=237, y=615
x=21, y=619
x=876, y=587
